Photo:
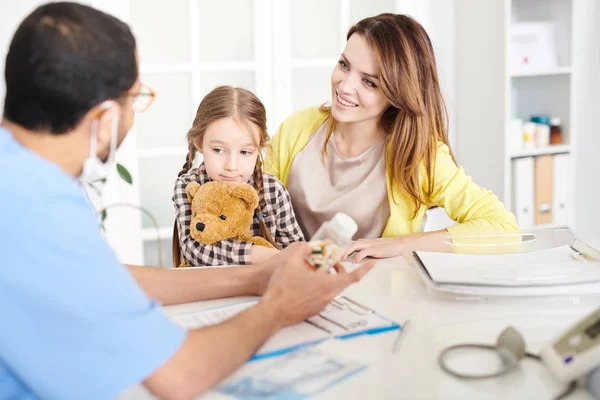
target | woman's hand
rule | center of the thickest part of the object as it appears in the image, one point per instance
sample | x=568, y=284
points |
x=384, y=247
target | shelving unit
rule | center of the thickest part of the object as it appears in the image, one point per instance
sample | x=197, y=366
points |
x=552, y=149
x=490, y=95
x=543, y=72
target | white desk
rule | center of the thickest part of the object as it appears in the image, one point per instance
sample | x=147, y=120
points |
x=394, y=290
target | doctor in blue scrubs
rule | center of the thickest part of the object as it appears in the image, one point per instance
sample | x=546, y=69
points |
x=76, y=324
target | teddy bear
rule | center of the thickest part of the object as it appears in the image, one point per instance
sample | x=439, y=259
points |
x=223, y=210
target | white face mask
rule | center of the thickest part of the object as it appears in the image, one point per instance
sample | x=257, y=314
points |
x=94, y=169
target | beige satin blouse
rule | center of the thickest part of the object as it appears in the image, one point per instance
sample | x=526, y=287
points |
x=352, y=185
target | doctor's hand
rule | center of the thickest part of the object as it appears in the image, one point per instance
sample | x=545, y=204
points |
x=296, y=291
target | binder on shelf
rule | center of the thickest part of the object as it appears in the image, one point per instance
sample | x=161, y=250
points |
x=523, y=191
x=560, y=195
x=543, y=190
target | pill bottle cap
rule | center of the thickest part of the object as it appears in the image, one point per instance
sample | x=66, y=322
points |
x=344, y=225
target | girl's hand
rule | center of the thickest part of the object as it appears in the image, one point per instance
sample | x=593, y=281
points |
x=384, y=247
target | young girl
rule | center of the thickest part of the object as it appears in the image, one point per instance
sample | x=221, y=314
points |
x=230, y=131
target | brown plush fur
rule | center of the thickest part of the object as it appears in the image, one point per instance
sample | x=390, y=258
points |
x=223, y=210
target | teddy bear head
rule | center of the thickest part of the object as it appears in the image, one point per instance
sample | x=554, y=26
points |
x=221, y=210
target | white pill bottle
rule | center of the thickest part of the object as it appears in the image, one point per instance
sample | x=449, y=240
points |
x=331, y=241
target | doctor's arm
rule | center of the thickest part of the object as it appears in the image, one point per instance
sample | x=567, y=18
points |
x=208, y=355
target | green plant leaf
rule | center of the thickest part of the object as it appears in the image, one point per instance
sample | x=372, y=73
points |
x=103, y=215
x=124, y=174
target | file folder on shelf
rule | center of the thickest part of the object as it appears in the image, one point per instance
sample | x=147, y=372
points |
x=560, y=188
x=543, y=190
x=523, y=191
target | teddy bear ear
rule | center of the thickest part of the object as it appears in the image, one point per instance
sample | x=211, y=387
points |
x=246, y=193
x=191, y=190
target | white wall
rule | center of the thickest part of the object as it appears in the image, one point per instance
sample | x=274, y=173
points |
x=441, y=30
x=587, y=99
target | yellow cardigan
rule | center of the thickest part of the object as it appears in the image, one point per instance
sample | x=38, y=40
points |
x=475, y=208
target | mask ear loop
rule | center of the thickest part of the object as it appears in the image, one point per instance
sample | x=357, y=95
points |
x=113, y=139
x=93, y=138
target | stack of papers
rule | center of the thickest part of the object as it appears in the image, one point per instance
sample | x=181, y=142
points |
x=557, y=266
x=549, y=271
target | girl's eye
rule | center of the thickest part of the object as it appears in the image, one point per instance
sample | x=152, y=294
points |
x=218, y=151
x=369, y=83
x=246, y=153
x=343, y=64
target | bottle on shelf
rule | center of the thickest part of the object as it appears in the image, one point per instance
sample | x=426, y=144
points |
x=555, y=131
x=542, y=129
x=528, y=135
x=542, y=135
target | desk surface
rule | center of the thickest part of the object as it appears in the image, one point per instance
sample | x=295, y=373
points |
x=394, y=289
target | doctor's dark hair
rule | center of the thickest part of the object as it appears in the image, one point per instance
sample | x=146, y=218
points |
x=64, y=59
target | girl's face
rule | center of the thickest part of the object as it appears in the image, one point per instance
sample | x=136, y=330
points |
x=355, y=86
x=229, y=150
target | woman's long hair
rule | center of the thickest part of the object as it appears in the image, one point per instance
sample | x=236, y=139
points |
x=416, y=121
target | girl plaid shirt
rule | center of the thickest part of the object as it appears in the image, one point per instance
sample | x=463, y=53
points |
x=279, y=219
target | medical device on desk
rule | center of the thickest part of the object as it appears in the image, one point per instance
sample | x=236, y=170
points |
x=577, y=351
x=573, y=355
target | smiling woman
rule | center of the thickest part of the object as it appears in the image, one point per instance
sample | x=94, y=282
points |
x=380, y=152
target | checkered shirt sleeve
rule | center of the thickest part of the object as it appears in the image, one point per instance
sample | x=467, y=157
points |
x=282, y=223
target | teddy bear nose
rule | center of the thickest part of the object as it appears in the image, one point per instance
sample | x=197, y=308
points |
x=200, y=226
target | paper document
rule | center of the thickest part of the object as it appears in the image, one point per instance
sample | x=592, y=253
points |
x=299, y=374
x=556, y=266
x=212, y=316
x=343, y=318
